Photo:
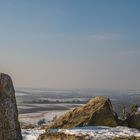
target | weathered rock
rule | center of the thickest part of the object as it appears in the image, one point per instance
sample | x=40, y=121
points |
x=97, y=112
x=9, y=124
x=134, y=121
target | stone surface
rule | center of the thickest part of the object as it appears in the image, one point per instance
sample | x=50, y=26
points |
x=97, y=112
x=9, y=124
x=134, y=121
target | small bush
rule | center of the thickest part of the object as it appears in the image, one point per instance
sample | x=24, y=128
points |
x=134, y=108
x=41, y=122
x=123, y=113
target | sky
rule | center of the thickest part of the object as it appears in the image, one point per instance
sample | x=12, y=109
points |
x=71, y=43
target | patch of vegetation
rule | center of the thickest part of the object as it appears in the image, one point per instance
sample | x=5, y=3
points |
x=41, y=122
x=123, y=113
x=134, y=108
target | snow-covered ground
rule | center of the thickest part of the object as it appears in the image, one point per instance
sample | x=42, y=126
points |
x=92, y=133
x=32, y=134
x=32, y=108
x=33, y=118
x=102, y=133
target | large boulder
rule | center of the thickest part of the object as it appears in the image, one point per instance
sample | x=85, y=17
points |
x=9, y=124
x=97, y=112
x=134, y=121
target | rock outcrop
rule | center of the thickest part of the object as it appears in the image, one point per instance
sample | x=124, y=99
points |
x=9, y=124
x=97, y=112
x=134, y=121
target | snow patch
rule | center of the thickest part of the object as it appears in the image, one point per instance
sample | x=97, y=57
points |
x=102, y=132
x=33, y=118
x=31, y=134
x=92, y=133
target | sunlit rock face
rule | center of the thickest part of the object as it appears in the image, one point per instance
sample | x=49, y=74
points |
x=9, y=124
x=97, y=112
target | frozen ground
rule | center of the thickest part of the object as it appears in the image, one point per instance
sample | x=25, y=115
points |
x=37, y=104
x=102, y=133
x=33, y=118
x=31, y=134
x=92, y=133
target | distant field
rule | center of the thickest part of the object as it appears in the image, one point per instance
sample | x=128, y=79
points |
x=35, y=104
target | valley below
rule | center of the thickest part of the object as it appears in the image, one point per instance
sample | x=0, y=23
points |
x=49, y=104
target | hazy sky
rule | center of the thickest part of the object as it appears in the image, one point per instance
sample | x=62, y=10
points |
x=71, y=43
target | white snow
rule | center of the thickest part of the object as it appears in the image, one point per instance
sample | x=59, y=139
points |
x=33, y=118
x=32, y=134
x=102, y=132
x=92, y=133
